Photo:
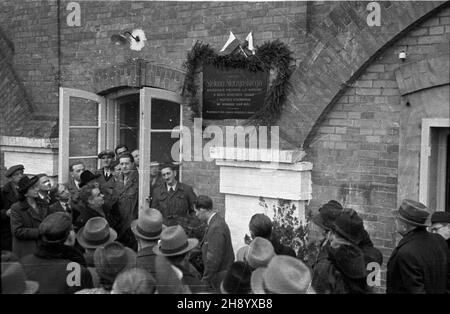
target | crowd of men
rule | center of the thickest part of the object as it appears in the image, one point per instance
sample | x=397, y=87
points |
x=88, y=236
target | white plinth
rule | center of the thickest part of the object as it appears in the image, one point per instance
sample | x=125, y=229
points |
x=244, y=181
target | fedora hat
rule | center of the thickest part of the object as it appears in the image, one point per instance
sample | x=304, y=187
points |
x=87, y=176
x=413, y=213
x=284, y=275
x=174, y=241
x=149, y=224
x=56, y=227
x=260, y=252
x=236, y=280
x=440, y=217
x=13, y=169
x=96, y=233
x=327, y=214
x=14, y=280
x=111, y=259
x=106, y=152
x=25, y=183
x=349, y=226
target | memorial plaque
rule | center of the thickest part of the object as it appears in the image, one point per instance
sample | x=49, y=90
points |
x=232, y=93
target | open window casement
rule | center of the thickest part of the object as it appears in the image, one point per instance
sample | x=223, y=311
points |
x=82, y=129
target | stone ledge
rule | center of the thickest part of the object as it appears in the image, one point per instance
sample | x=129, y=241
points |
x=299, y=166
x=22, y=142
x=261, y=155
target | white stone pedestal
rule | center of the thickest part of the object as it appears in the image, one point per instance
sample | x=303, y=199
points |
x=243, y=182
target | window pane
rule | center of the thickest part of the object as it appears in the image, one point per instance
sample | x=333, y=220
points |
x=83, y=112
x=129, y=112
x=90, y=163
x=83, y=142
x=130, y=137
x=165, y=114
x=161, y=147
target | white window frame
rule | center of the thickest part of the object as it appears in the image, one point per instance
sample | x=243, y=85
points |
x=64, y=128
x=425, y=153
x=145, y=107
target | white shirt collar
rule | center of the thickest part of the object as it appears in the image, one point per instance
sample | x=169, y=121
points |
x=210, y=217
x=172, y=186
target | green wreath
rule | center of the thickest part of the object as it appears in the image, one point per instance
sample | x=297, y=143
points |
x=273, y=54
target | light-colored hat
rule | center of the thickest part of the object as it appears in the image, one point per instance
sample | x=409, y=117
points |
x=284, y=275
x=259, y=253
x=149, y=224
x=174, y=241
x=96, y=233
x=14, y=280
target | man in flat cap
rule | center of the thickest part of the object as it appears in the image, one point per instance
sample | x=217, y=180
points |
x=419, y=263
x=9, y=195
x=106, y=179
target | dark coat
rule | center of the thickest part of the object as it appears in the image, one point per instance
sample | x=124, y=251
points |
x=419, y=264
x=127, y=199
x=174, y=205
x=340, y=271
x=5, y=227
x=191, y=278
x=10, y=194
x=49, y=267
x=85, y=213
x=25, y=227
x=107, y=186
x=217, y=250
x=145, y=259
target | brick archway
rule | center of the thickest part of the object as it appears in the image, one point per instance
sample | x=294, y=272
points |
x=340, y=49
x=137, y=73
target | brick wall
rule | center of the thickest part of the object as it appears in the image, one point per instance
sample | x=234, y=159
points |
x=356, y=149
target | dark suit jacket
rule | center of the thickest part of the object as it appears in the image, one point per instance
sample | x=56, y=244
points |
x=217, y=250
x=50, y=269
x=127, y=199
x=419, y=264
x=10, y=195
x=171, y=206
x=145, y=259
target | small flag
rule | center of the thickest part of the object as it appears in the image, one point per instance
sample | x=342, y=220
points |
x=231, y=44
x=250, y=46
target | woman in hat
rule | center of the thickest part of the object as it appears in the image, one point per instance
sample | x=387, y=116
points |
x=26, y=216
x=109, y=261
x=341, y=268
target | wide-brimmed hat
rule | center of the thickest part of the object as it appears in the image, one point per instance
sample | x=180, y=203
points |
x=106, y=153
x=234, y=281
x=13, y=169
x=25, y=183
x=327, y=214
x=260, y=252
x=349, y=226
x=284, y=275
x=149, y=224
x=440, y=217
x=413, y=213
x=96, y=233
x=113, y=258
x=174, y=241
x=56, y=227
x=14, y=280
x=87, y=176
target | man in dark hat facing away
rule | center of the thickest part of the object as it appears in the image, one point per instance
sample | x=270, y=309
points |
x=440, y=224
x=9, y=195
x=419, y=263
x=57, y=270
